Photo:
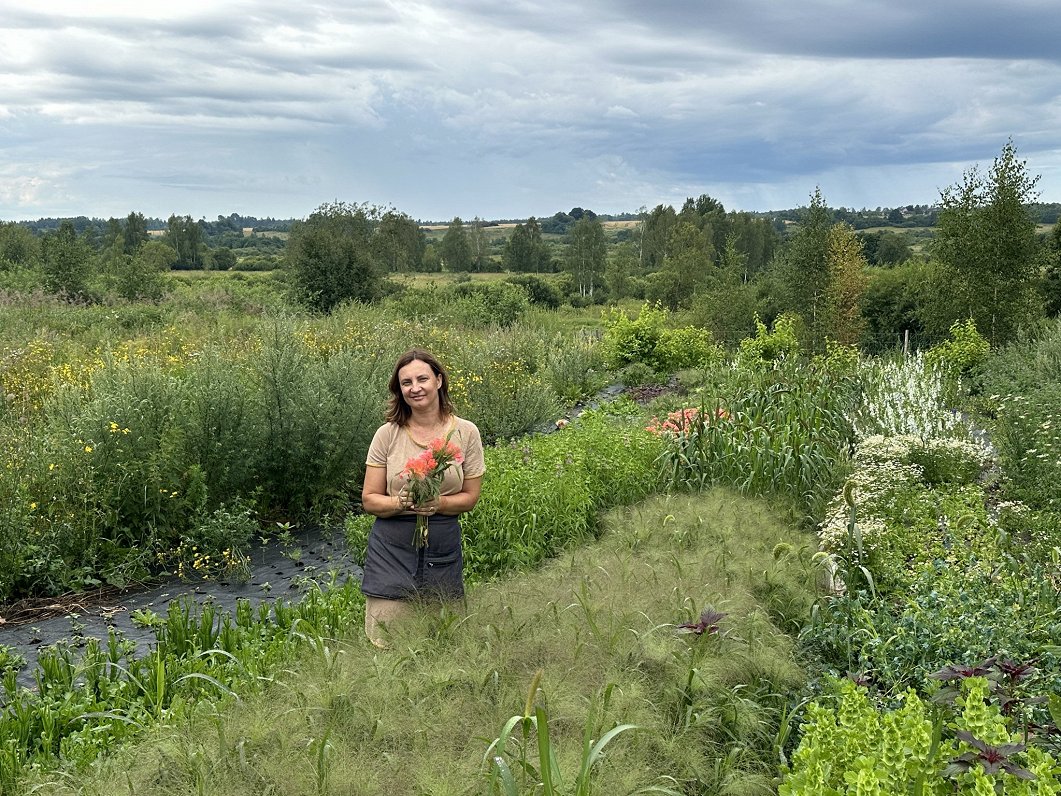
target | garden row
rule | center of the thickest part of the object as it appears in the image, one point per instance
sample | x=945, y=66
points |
x=948, y=607
x=546, y=494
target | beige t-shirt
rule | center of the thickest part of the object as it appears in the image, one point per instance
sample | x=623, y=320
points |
x=393, y=446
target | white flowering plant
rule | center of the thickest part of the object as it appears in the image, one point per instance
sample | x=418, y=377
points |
x=905, y=397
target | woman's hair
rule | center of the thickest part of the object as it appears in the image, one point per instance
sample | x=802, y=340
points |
x=398, y=410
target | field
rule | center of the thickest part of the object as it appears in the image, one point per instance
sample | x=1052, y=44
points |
x=748, y=571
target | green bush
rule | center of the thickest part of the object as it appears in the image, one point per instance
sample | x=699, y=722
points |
x=647, y=340
x=964, y=352
x=685, y=347
x=215, y=545
x=770, y=346
x=482, y=304
x=319, y=414
x=574, y=365
x=222, y=425
x=627, y=340
x=962, y=357
x=637, y=374
x=502, y=383
x=541, y=292
x=120, y=481
x=544, y=492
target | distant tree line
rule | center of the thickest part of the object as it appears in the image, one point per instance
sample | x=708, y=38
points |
x=846, y=276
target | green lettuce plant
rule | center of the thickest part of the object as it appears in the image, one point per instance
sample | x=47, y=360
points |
x=850, y=745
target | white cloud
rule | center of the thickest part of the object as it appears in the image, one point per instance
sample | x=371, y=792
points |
x=436, y=107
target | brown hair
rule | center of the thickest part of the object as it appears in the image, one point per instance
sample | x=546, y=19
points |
x=398, y=410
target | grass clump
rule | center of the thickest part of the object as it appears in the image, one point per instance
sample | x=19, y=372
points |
x=597, y=628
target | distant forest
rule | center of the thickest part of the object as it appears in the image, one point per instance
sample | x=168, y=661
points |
x=228, y=230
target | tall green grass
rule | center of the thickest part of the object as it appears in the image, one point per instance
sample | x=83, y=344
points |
x=781, y=430
x=710, y=713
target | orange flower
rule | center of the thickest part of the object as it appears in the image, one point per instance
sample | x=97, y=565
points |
x=424, y=473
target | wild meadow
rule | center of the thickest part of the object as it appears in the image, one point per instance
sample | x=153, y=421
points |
x=763, y=570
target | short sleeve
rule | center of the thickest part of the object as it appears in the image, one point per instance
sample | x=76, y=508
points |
x=380, y=447
x=472, y=447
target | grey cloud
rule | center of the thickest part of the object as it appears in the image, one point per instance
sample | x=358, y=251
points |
x=902, y=29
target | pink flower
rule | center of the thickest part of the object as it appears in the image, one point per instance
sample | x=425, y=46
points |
x=444, y=448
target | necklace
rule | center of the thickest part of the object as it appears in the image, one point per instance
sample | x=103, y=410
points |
x=431, y=433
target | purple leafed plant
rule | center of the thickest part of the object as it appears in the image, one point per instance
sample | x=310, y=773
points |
x=708, y=623
x=991, y=758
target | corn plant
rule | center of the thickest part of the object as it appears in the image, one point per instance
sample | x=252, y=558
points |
x=535, y=757
x=778, y=434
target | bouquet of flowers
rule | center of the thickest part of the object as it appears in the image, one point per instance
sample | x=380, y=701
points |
x=424, y=474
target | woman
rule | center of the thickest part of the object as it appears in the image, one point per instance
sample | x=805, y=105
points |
x=419, y=413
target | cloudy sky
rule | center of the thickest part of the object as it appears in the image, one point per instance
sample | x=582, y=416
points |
x=509, y=109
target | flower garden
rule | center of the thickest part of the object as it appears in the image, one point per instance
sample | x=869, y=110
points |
x=793, y=574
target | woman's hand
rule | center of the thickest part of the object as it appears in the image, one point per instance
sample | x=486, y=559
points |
x=428, y=508
x=374, y=497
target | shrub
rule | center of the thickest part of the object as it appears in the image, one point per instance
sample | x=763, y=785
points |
x=545, y=492
x=574, y=365
x=120, y=474
x=319, y=415
x=770, y=346
x=962, y=356
x=482, y=304
x=540, y=292
x=627, y=341
x=506, y=400
x=840, y=360
x=647, y=340
x=685, y=347
x=637, y=374
x=216, y=545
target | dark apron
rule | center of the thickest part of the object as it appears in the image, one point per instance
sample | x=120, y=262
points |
x=395, y=570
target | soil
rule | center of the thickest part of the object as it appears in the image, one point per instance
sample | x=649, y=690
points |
x=276, y=571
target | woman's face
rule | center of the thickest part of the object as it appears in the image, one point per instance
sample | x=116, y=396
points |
x=419, y=385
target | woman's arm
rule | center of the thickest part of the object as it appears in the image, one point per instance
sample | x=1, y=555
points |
x=374, y=497
x=464, y=500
